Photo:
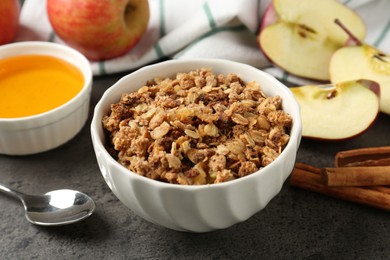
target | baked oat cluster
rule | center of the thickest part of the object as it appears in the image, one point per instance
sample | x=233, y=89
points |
x=197, y=128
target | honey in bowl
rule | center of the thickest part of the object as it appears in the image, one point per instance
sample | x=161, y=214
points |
x=34, y=84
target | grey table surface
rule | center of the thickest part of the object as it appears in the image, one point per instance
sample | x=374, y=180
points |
x=295, y=224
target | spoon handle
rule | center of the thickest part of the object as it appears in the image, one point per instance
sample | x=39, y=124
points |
x=14, y=193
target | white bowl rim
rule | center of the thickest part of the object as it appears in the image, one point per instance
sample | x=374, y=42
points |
x=295, y=130
x=87, y=78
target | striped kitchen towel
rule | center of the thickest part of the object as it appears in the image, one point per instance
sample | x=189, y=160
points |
x=184, y=29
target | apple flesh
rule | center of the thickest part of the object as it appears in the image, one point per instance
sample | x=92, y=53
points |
x=101, y=29
x=362, y=61
x=340, y=111
x=300, y=35
x=353, y=62
x=9, y=20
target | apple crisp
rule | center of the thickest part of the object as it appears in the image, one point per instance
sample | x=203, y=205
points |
x=197, y=128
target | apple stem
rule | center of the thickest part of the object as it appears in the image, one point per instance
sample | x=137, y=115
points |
x=350, y=34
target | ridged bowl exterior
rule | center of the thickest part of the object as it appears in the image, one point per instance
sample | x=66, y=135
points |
x=200, y=208
x=42, y=132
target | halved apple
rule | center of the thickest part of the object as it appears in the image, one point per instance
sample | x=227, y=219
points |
x=339, y=111
x=362, y=61
x=300, y=36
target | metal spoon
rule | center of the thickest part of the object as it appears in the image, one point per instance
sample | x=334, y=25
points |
x=59, y=207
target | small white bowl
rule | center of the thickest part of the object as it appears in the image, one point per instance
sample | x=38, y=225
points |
x=45, y=131
x=205, y=207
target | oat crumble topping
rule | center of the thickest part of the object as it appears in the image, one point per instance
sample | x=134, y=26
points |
x=197, y=128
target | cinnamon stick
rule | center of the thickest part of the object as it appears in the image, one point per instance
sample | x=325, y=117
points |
x=356, y=176
x=372, y=156
x=383, y=189
x=308, y=177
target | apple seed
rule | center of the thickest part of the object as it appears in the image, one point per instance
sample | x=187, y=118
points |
x=305, y=31
x=332, y=94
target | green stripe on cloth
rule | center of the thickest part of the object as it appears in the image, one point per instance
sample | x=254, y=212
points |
x=162, y=18
x=210, y=17
x=383, y=34
x=210, y=33
x=347, y=2
x=52, y=35
x=285, y=76
x=158, y=50
x=102, y=68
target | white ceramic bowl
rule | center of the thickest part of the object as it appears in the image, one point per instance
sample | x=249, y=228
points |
x=205, y=207
x=45, y=131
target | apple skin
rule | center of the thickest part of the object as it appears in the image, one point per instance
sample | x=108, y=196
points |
x=9, y=20
x=102, y=29
x=338, y=112
x=270, y=17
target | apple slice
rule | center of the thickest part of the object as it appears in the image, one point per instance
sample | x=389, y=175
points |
x=340, y=111
x=302, y=37
x=362, y=61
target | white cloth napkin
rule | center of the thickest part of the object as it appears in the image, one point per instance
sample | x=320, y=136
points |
x=181, y=29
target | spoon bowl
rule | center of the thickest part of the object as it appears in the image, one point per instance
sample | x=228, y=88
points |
x=59, y=207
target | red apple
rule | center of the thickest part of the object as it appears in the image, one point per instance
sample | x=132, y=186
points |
x=9, y=20
x=101, y=29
